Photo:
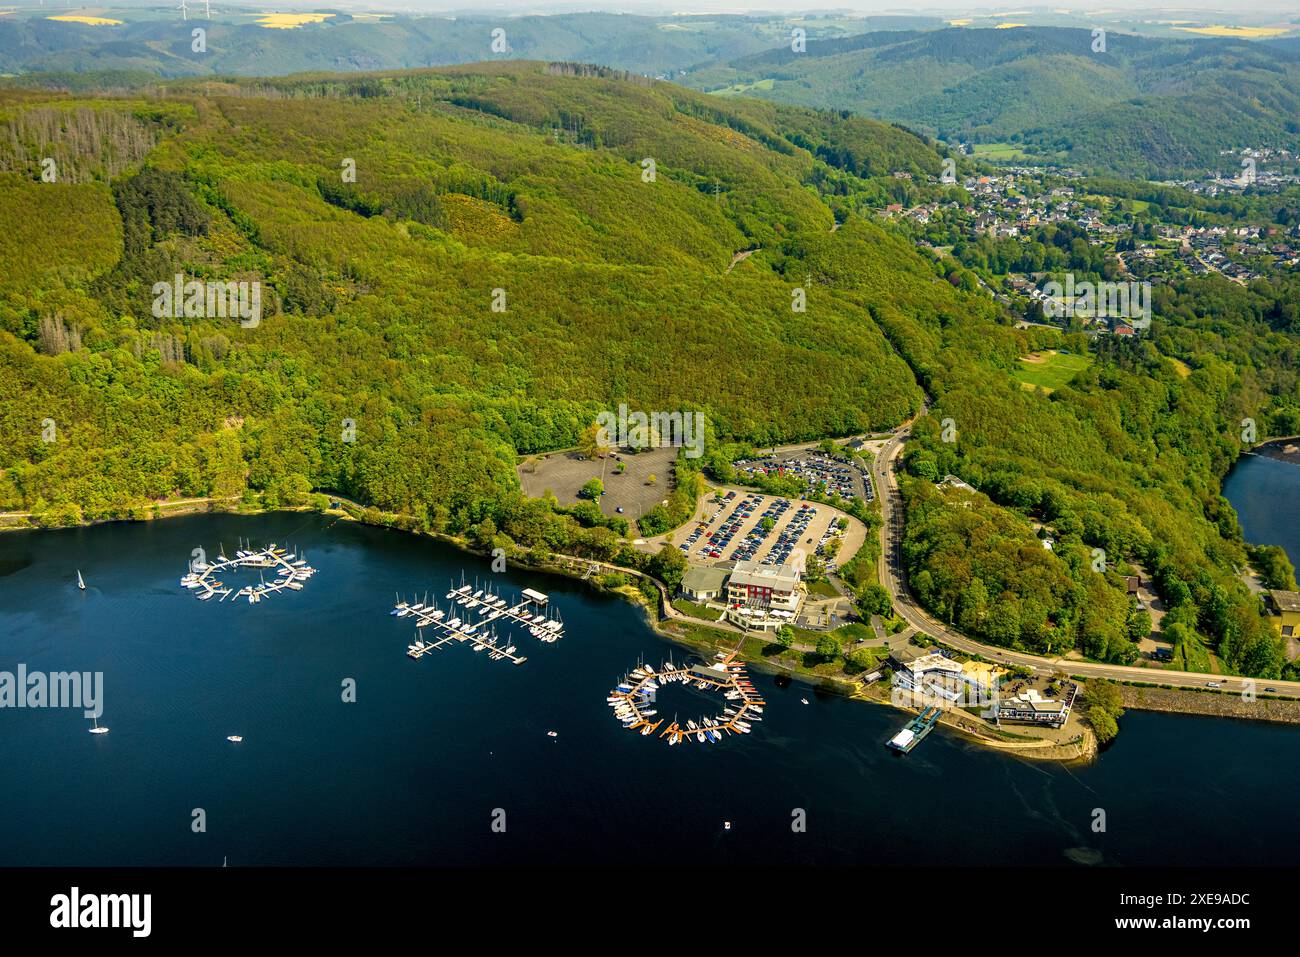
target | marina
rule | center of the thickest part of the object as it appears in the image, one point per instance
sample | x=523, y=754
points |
x=633, y=697
x=291, y=568
x=318, y=782
x=472, y=615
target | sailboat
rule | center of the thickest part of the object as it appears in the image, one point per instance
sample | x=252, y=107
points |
x=97, y=729
x=81, y=582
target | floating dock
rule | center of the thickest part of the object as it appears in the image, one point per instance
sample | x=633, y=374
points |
x=522, y=611
x=915, y=732
x=293, y=570
x=471, y=616
x=456, y=630
x=632, y=700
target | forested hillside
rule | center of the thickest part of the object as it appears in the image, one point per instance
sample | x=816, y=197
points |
x=524, y=245
x=1144, y=106
x=379, y=293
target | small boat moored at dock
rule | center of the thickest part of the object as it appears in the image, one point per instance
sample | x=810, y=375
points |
x=291, y=574
x=915, y=731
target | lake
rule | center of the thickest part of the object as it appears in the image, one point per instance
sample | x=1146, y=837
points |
x=414, y=770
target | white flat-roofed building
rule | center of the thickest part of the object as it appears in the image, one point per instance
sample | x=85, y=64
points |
x=1031, y=707
x=939, y=676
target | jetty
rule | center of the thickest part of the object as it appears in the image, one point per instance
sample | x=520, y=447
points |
x=292, y=571
x=471, y=616
x=455, y=630
x=915, y=732
x=632, y=700
x=530, y=611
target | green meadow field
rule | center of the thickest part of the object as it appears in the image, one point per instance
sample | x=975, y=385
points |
x=1050, y=369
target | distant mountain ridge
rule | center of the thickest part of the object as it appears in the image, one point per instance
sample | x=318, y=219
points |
x=1147, y=106
x=162, y=47
x=1144, y=106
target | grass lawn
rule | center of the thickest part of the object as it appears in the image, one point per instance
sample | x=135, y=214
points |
x=1050, y=369
x=853, y=632
x=822, y=590
x=998, y=151
x=739, y=89
x=696, y=610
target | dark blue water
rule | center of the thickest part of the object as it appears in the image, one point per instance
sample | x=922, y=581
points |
x=1266, y=495
x=412, y=772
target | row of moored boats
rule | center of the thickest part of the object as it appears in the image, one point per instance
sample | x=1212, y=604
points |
x=293, y=571
x=634, y=695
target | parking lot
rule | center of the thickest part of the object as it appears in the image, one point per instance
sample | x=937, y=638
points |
x=821, y=473
x=627, y=493
x=732, y=529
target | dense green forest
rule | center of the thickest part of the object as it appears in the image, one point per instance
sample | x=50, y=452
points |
x=1145, y=106
x=380, y=293
x=524, y=245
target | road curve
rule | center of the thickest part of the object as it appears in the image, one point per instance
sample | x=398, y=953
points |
x=894, y=579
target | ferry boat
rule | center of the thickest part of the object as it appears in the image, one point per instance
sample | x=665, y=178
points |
x=915, y=732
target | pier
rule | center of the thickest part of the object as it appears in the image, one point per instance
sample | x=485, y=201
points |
x=292, y=569
x=471, y=616
x=522, y=611
x=456, y=630
x=632, y=698
x=915, y=732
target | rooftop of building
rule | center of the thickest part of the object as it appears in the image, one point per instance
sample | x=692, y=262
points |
x=708, y=578
x=1285, y=600
x=777, y=577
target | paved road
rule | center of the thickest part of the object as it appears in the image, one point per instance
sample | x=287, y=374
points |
x=894, y=579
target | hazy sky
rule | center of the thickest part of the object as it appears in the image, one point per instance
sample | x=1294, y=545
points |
x=1287, y=8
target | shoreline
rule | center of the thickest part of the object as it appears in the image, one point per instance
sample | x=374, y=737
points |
x=1284, y=449
x=1081, y=749
x=1211, y=704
